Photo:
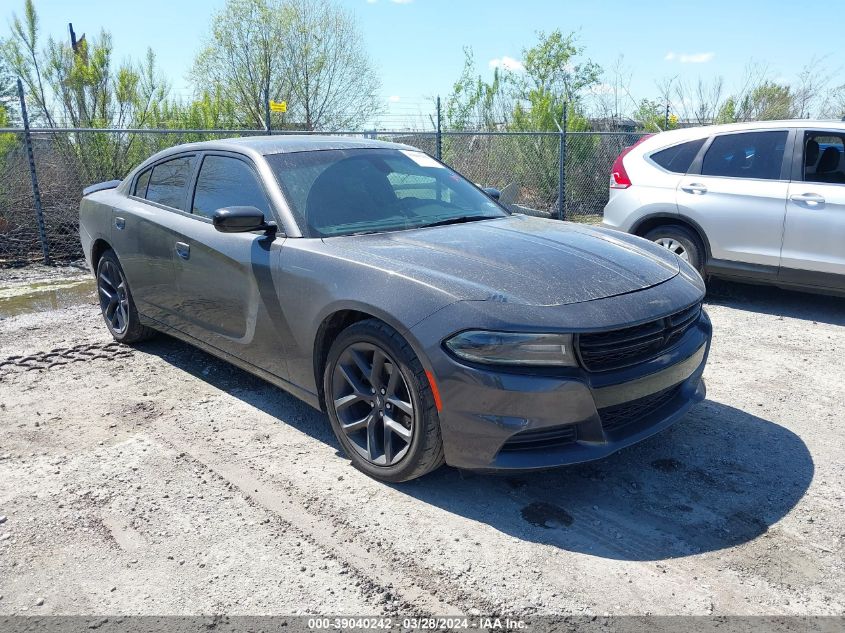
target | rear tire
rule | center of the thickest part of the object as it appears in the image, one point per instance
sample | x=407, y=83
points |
x=380, y=403
x=681, y=241
x=116, y=303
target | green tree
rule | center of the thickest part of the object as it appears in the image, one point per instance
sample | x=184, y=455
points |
x=474, y=103
x=555, y=69
x=307, y=52
x=83, y=87
x=8, y=93
x=651, y=117
x=727, y=112
x=766, y=102
x=556, y=79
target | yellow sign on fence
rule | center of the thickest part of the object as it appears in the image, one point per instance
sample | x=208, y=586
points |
x=278, y=106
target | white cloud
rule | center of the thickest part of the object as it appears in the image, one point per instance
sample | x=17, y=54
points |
x=393, y=98
x=689, y=58
x=401, y=1
x=371, y=1
x=506, y=63
x=696, y=58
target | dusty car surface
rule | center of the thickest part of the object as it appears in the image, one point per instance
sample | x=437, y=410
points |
x=375, y=283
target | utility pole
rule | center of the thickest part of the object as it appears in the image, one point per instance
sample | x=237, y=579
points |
x=75, y=42
x=666, y=122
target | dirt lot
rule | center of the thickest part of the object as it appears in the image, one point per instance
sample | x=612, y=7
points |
x=160, y=480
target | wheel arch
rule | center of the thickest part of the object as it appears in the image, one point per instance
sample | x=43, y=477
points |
x=649, y=222
x=99, y=247
x=330, y=327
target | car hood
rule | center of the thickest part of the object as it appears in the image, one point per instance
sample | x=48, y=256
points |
x=517, y=259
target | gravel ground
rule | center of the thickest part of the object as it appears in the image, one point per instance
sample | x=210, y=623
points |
x=160, y=480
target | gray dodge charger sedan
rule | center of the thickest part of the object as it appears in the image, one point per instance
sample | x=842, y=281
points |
x=375, y=283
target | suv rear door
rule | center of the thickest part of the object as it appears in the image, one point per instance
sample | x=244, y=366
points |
x=814, y=234
x=736, y=192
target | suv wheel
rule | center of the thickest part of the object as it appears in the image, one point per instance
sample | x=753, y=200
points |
x=380, y=403
x=681, y=241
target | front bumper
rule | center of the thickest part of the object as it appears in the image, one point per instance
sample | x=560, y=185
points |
x=498, y=420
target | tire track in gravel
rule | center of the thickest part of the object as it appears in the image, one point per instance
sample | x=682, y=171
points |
x=421, y=591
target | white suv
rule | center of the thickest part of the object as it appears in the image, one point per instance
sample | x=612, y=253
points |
x=761, y=202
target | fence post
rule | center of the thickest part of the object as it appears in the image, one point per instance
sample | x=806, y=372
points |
x=36, y=193
x=561, y=176
x=438, y=147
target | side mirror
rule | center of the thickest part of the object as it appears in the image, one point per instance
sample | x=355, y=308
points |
x=492, y=192
x=241, y=220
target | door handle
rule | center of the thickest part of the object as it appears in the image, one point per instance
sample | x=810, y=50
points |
x=695, y=188
x=810, y=199
x=119, y=224
x=183, y=250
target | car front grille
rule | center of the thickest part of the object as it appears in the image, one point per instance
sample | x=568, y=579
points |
x=619, y=415
x=540, y=438
x=604, y=351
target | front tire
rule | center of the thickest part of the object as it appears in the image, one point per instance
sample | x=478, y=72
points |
x=681, y=241
x=380, y=403
x=116, y=303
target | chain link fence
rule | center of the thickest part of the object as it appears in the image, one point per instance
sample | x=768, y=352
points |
x=526, y=167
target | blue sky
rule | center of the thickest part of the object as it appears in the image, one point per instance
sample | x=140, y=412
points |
x=417, y=44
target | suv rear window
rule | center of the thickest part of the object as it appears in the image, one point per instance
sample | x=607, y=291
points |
x=678, y=158
x=746, y=155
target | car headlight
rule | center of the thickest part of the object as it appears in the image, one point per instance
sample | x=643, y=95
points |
x=513, y=348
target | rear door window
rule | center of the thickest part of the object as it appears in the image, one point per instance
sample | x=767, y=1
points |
x=169, y=182
x=678, y=158
x=227, y=182
x=746, y=155
x=824, y=157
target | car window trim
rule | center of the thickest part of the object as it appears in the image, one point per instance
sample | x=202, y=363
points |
x=151, y=167
x=135, y=180
x=798, y=155
x=236, y=156
x=786, y=159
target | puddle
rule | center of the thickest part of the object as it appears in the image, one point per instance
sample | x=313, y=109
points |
x=546, y=515
x=40, y=296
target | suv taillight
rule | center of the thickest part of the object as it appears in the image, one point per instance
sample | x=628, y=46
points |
x=619, y=178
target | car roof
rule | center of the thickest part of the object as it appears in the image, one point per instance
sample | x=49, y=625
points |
x=670, y=137
x=286, y=143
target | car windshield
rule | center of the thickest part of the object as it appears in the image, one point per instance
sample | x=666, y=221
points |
x=344, y=192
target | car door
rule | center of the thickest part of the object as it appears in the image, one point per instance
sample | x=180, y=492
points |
x=736, y=192
x=143, y=234
x=814, y=234
x=226, y=281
